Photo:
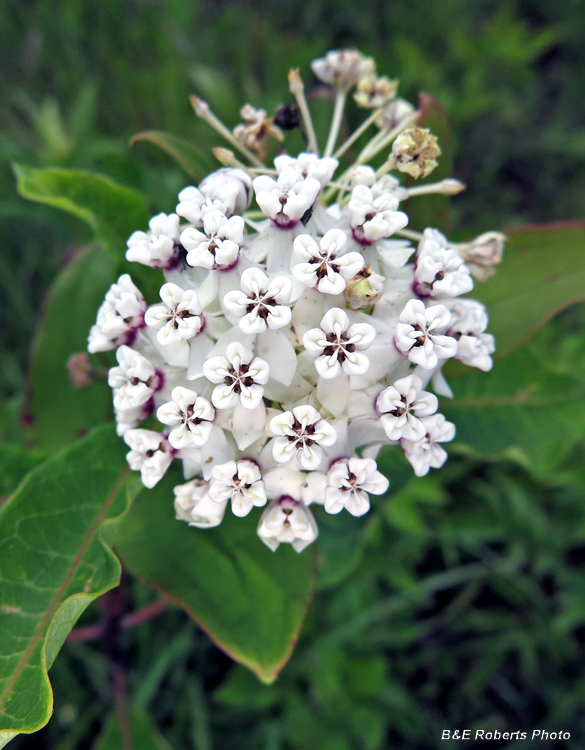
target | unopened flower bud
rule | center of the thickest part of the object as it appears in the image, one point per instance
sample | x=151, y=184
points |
x=452, y=187
x=415, y=151
x=295, y=82
x=364, y=289
x=201, y=108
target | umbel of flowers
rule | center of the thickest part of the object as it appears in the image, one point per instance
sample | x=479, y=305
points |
x=293, y=340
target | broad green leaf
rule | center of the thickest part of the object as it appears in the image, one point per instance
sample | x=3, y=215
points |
x=250, y=600
x=111, y=210
x=432, y=210
x=54, y=560
x=190, y=158
x=15, y=463
x=518, y=405
x=55, y=412
x=543, y=272
x=130, y=729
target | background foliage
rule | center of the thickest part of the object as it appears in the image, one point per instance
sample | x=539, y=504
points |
x=459, y=602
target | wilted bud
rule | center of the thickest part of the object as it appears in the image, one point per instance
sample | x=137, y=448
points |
x=343, y=68
x=374, y=92
x=80, y=370
x=394, y=113
x=364, y=289
x=415, y=151
x=483, y=254
x=257, y=130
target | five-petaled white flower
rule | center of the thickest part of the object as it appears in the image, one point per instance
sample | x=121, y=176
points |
x=468, y=323
x=343, y=68
x=218, y=245
x=218, y=192
x=190, y=416
x=134, y=381
x=310, y=165
x=338, y=346
x=150, y=454
x=301, y=433
x=242, y=376
x=287, y=199
x=373, y=218
x=426, y=453
x=289, y=521
x=420, y=334
x=349, y=480
x=440, y=272
x=193, y=505
x=261, y=303
x=178, y=318
x=118, y=317
x=325, y=266
x=159, y=247
x=401, y=405
x=238, y=481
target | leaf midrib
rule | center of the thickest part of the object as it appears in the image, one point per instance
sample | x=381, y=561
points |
x=56, y=599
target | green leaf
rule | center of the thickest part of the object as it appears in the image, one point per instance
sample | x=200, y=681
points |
x=55, y=412
x=15, y=462
x=190, y=158
x=131, y=730
x=250, y=600
x=54, y=537
x=543, y=272
x=432, y=210
x=111, y=210
x=519, y=405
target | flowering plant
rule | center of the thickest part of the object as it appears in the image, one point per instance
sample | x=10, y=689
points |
x=291, y=343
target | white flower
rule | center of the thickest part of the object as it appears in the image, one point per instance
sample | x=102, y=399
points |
x=119, y=315
x=468, y=324
x=178, y=318
x=362, y=174
x=420, y=334
x=234, y=202
x=426, y=453
x=389, y=184
x=134, y=381
x=150, y=454
x=261, y=303
x=289, y=521
x=343, y=68
x=401, y=405
x=218, y=245
x=190, y=416
x=440, y=272
x=287, y=199
x=483, y=254
x=238, y=481
x=325, y=266
x=301, y=433
x=158, y=248
x=309, y=165
x=193, y=505
x=374, y=218
x=348, y=482
x=338, y=346
x=127, y=419
x=242, y=377
x=218, y=192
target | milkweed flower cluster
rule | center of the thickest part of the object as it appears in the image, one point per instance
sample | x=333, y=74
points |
x=294, y=340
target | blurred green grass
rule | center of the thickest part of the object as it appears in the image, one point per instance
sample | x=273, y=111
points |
x=463, y=605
